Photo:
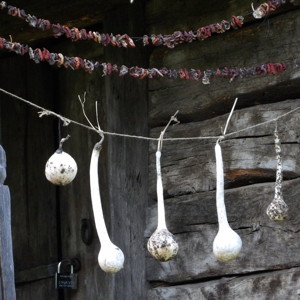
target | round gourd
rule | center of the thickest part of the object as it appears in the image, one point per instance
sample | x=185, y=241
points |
x=61, y=168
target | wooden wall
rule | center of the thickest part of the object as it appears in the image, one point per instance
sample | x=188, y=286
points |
x=47, y=221
x=267, y=267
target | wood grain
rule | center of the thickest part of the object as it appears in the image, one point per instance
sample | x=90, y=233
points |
x=243, y=48
x=267, y=245
x=264, y=286
x=26, y=138
x=249, y=156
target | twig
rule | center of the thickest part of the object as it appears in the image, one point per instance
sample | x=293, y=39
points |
x=82, y=102
x=160, y=139
x=229, y=117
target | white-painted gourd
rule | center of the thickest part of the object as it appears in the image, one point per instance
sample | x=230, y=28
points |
x=61, y=168
x=161, y=244
x=111, y=257
x=227, y=243
x=278, y=209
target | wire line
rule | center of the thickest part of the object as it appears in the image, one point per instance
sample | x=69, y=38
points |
x=68, y=121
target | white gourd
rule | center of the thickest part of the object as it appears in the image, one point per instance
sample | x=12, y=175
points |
x=61, y=168
x=227, y=243
x=111, y=257
x=161, y=244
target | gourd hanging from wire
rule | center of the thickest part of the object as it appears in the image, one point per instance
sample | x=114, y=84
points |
x=227, y=243
x=278, y=209
x=111, y=257
x=61, y=168
x=161, y=244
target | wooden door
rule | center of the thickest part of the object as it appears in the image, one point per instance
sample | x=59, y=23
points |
x=29, y=141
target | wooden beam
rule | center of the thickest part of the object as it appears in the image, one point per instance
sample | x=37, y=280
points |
x=7, y=286
x=267, y=245
x=246, y=47
x=267, y=285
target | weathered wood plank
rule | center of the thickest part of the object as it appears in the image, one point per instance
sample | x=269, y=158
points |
x=7, y=287
x=36, y=273
x=246, y=47
x=126, y=106
x=41, y=289
x=189, y=166
x=193, y=219
x=39, y=140
x=25, y=137
x=275, y=285
x=194, y=14
x=13, y=140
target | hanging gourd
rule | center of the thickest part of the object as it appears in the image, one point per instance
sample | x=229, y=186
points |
x=278, y=209
x=111, y=257
x=161, y=244
x=61, y=168
x=227, y=243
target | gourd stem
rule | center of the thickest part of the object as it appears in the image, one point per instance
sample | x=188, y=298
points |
x=96, y=198
x=161, y=224
x=221, y=209
x=61, y=143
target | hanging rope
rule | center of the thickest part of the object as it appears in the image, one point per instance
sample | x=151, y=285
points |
x=43, y=111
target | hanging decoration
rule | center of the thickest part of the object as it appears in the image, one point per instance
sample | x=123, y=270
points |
x=75, y=63
x=111, y=257
x=124, y=40
x=227, y=243
x=74, y=33
x=278, y=209
x=61, y=168
x=265, y=8
x=161, y=244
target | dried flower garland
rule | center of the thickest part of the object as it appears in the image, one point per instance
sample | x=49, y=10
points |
x=75, y=34
x=124, y=40
x=58, y=59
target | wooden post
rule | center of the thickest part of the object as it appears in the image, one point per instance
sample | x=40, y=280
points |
x=7, y=278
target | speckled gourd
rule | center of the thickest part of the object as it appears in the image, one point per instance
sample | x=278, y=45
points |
x=61, y=168
x=161, y=244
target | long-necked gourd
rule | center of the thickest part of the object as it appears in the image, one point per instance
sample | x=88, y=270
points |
x=111, y=257
x=227, y=243
x=161, y=244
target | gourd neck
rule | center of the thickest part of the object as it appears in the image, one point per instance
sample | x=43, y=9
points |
x=161, y=224
x=96, y=198
x=221, y=209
